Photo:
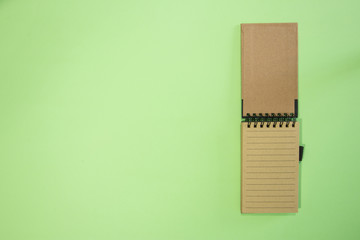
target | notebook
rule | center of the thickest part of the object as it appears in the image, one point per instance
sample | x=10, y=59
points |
x=269, y=131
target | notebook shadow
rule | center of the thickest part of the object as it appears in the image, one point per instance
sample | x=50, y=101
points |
x=300, y=163
x=269, y=214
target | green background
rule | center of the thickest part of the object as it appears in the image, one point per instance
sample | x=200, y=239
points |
x=121, y=120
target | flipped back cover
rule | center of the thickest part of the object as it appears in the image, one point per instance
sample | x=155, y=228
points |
x=269, y=68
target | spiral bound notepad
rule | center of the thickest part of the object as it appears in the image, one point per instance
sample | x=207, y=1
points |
x=269, y=132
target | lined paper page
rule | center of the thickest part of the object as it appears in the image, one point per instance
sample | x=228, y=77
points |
x=269, y=169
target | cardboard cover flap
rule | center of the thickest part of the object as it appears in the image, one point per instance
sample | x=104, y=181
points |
x=269, y=62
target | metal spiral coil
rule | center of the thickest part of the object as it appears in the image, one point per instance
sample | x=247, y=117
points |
x=272, y=119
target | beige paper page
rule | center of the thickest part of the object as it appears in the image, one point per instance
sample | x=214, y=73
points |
x=269, y=169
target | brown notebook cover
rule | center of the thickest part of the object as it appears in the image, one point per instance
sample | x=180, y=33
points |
x=270, y=145
x=269, y=68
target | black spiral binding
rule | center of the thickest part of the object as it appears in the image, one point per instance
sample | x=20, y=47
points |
x=266, y=120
